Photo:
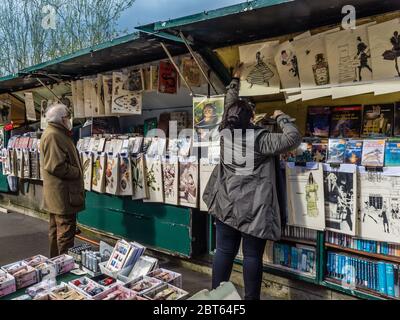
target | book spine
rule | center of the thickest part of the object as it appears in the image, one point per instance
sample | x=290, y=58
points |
x=390, y=279
x=382, y=277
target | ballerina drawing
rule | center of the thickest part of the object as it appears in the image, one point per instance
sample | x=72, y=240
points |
x=260, y=74
x=394, y=53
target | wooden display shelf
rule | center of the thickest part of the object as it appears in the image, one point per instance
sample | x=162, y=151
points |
x=364, y=253
x=360, y=292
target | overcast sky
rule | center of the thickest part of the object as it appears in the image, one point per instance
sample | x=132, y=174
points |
x=147, y=11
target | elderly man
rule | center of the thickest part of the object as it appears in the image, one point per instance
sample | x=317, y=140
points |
x=63, y=188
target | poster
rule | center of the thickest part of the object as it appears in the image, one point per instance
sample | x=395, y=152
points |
x=98, y=86
x=112, y=174
x=384, y=39
x=124, y=100
x=378, y=120
x=312, y=61
x=345, y=122
x=87, y=162
x=171, y=180
x=125, y=176
x=260, y=75
x=154, y=70
x=30, y=106
x=340, y=189
x=168, y=78
x=373, y=153
x=305, y=191
x=287, y=65
x=135, y=81
x=139, y=184
x=88, y=96
x=349, y=55
x=154, y=180
x=99, y=173
x=207, y=117
x=107, y=93
x=206, y=169
x=188, y=182
x=380, y=206
x=191, y=72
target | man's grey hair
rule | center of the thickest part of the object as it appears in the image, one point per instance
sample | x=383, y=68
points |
x=56, y=112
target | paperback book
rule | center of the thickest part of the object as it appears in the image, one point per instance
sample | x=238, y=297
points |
x=336, y=151
x=353, y=152
x=373, y=153
x=318, y=121
x=378, y=120
x=346, y=122
x=319, y=151
x=392, y=153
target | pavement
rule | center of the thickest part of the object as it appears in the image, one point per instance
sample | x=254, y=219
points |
x=22, y=236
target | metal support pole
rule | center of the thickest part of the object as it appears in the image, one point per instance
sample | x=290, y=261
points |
x=176, y=67
x=44, y=85
x=196, y=60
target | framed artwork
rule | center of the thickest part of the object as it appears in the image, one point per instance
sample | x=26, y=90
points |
x=384, y=39
x=125, y=174
x=154, y=180
x=99, y=173
x=188, y=183
x=340, y=188
x=139, y=183
x=379, y=206
x=349, y=55
x=207, y=116
x=87, y=162
x=305, y=191
x=260, y=75
x=112, y=174
x=107, y=93
x=168, y=78
x=206, y=170
x=191, y=72
x=124, y=100
x=170, y=169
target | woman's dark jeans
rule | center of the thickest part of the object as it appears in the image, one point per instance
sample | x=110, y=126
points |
x=228, y=243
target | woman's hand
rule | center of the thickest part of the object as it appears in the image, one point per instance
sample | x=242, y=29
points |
x=276, y=114
x=237, y=72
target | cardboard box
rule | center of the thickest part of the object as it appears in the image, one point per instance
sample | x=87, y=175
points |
x=46, y=271
x=143, y=285
x=24, y=275
x=87, y=287
x=119, y=293
x=167, y=276
x=166, y=292
x=7, y=284
x=36, y=260
x=62, y=292
x=64, y=263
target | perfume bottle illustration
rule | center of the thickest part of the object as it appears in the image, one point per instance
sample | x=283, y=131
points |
x=320, y=70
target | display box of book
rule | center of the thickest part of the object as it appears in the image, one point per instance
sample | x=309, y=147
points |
x=116, y=274
x=64, y=263
x=41, y=288
x=24, y=275
x=106, y=281
x=167, y=276
x=7, y=284
x=119, y=293
x=46, y=270
x=144, y=284
x=142, y=267
x=166, y=292
x=87, y=287
x=62, y=292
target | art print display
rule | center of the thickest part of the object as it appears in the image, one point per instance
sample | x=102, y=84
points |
x=107, y=94
x=99, y=173
x=136, y=145
x=78, y=98
x=139, y=184
x=154, y=179
x=319, y=152
x=34, y=165
x=349, y=55
x=312, y=61
x=170, y=169
x=181, y=119
x=154, y=75
x=112, y=174
x=125, y=176
x=305, y=191
x=87, y=96
x=207, y=117
x=30, y=106
x=336, y=150
x=87, y=162
x=373, y=153
x=156, y=147
x=12, y=155
x=384, y=39
x=147, y=78
x=19, y=163
x=392, y=153
x=346, y=122
x=287, y=65
x=191, y=72
x=340, y=190
x=99, y=108
x=124, y=100
x=378, y=120
x=260, y=75
x=26, y=167
x=206, y=169
x=135, y=81
x=168, y=78
x=188, y=183
x=318, y=122
x=380, y=207
x=353, y=152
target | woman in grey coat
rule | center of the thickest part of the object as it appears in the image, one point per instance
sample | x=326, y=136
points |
x=242, y=191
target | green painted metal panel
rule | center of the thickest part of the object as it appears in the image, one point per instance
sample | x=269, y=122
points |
x=155, y=225
x=3, y=181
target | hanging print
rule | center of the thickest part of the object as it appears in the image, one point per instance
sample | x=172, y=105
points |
x=206, y=169
x=191, y=72
x=287, y=65
x=154, y=78
x=188, y=182
x=154, y=180
x=260, y=75
x=349, y=55
x=99, y=173
x=305, y=190
x=124, y=100
x=168, y=78
x=380, y=205
x=78, y=98
x=107, y=93
x=112, y=174
x=340, y=188
x=30, y=106
x=20, y=163
x=170, y=178
x=139, y=184
x=384, y=39
x=125, y=174
x=88, y=96
x=207, y=116
x=87, y=162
